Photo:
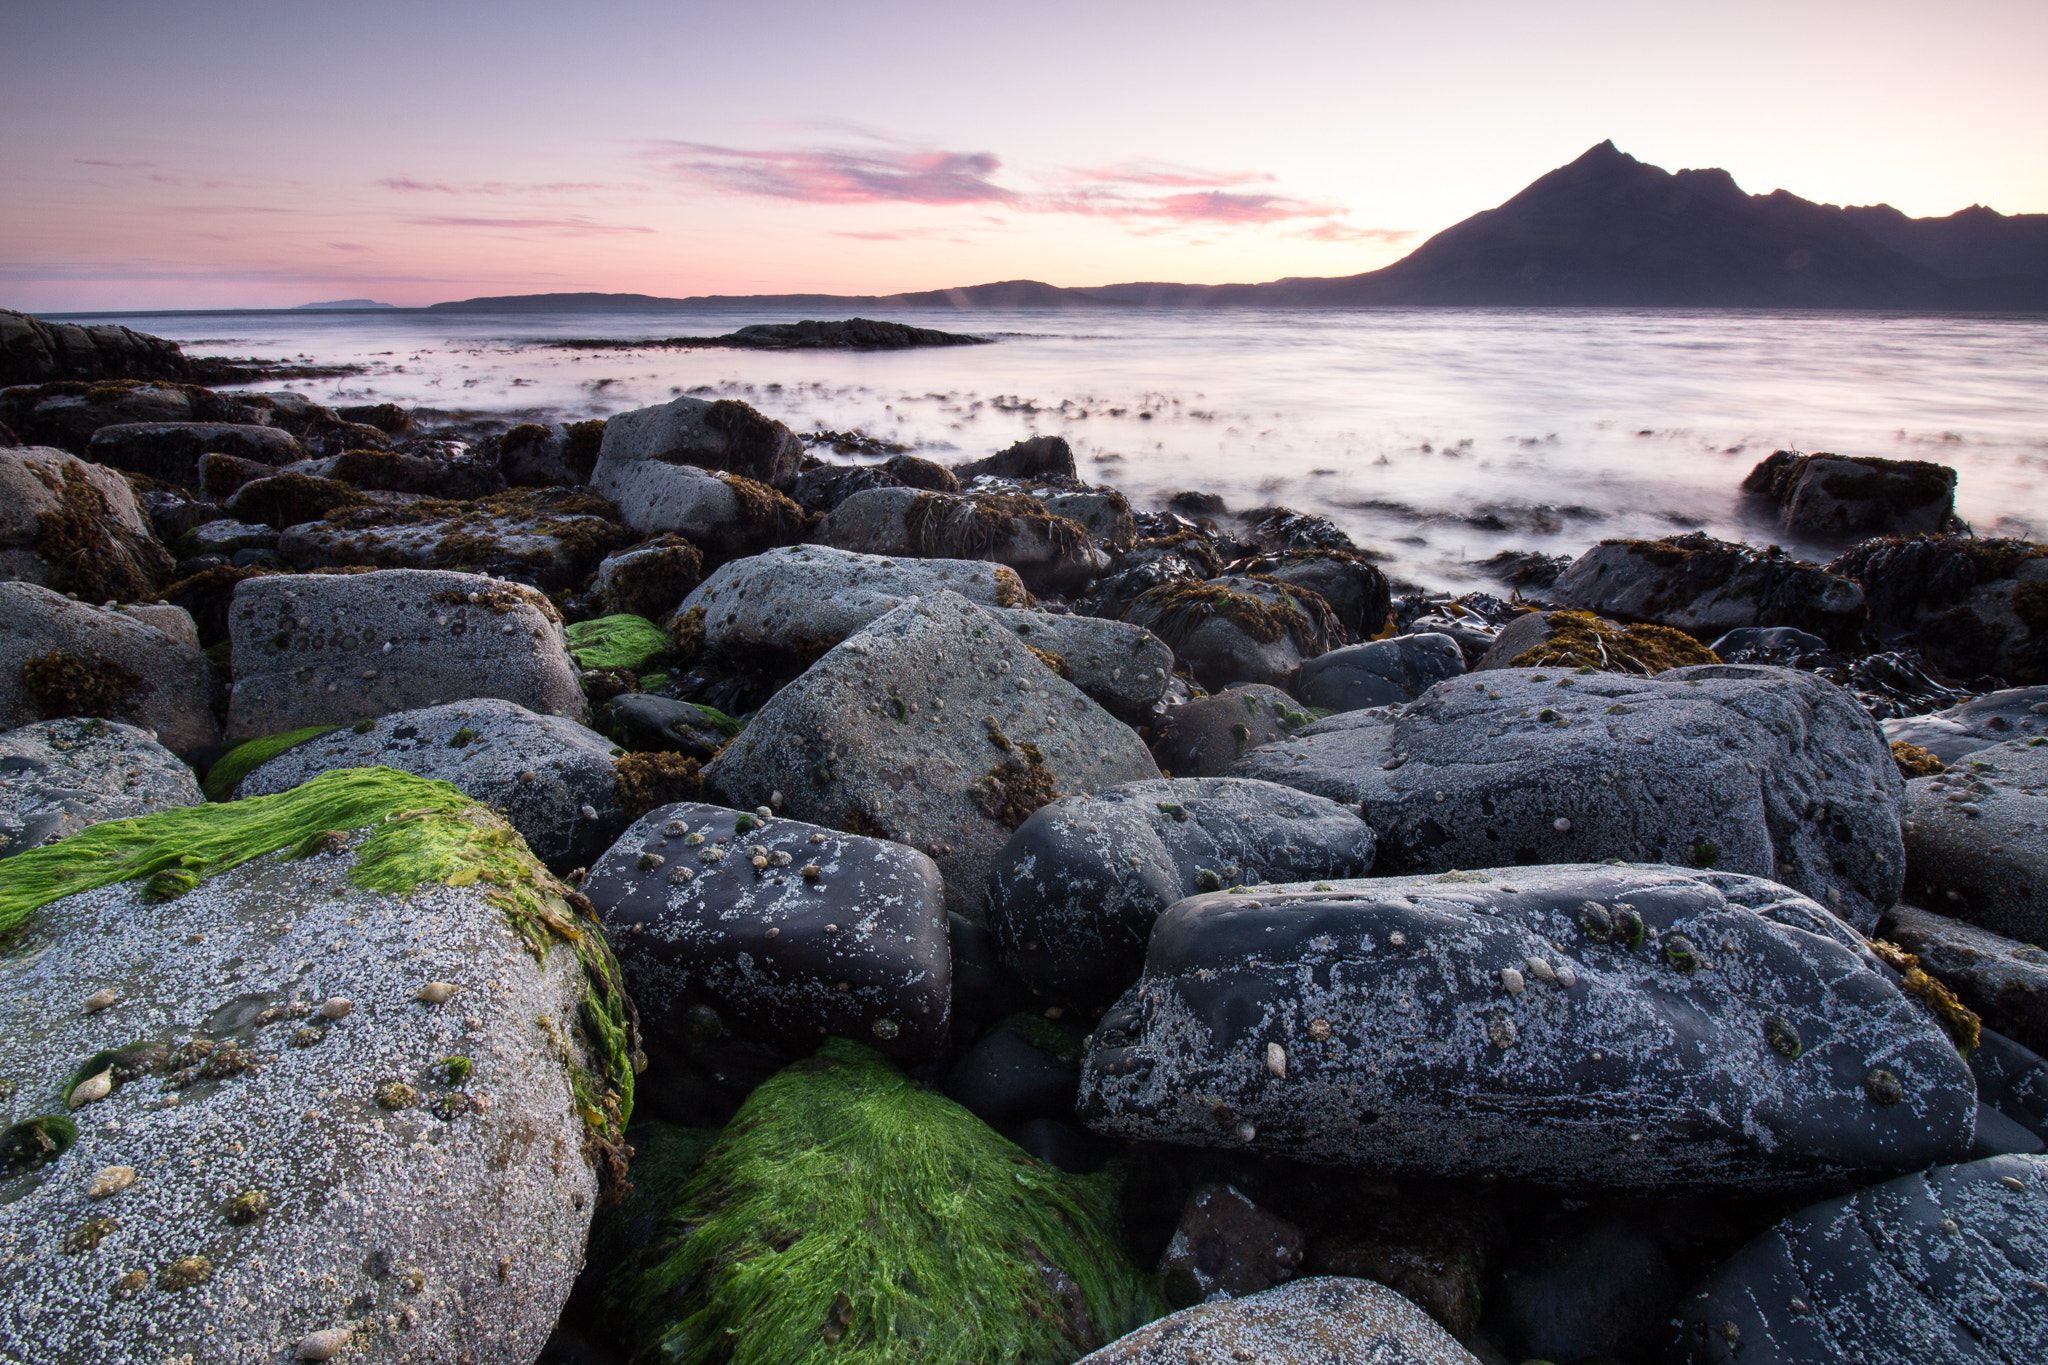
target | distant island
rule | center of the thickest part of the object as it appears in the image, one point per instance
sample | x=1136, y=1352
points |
x=342, y=305
x=1604, y=231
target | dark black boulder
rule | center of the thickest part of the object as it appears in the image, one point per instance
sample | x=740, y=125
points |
x=1379, y=672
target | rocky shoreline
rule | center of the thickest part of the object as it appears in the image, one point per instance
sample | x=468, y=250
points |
x=634, y=890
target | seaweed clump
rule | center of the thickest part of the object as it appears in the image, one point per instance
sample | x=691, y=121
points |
x=247, y=755
x=1962, y=1023
x=1175, y=611
x=1018, y=784
x=633, y=643
x=846, y=1214
x=93, y=553
x=647, y=781
x=971, y=526
x=1579, y=639
x=62, y=684
x=1915, y=761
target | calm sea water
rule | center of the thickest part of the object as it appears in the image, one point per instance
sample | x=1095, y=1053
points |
x=1439, y=437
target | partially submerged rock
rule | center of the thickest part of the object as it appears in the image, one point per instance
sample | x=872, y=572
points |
x=1321, y=1321
x=1974, y=606
x=59, y=776
x=1977, y=839
x=74, y=527
x=1848, y=496
x=1589, y=1027
x=846, y=1210
x=1707, y=587
x=415, y=1167
x=1763, y=771
x=1034, y=457
x=60, y=658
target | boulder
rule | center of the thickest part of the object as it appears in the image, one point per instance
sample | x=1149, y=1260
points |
x=428, y=469
x=726, y=514
x=286, y=499
x=1074, y=893
x=923, y=1236
x=1355, y=588
x=1391, y=672
x=536, y=456
x=1025, y=1070
x=1938, y=1266
x=1051, y=554
x=170, y=451
x=649, y=724
x=1103, y=513
x=913, y=471
x=314, y=649
x=1707, y=587
x=1974, y=607
x=825, y=487
x=34, y=352
x=1846, y=497
x=1977, y=839
x=220, y=476
x=2003, y=979
x=784, y=930
x=223, y=539
x=74, y=527
x=1036, y=457
x=59, y=776
x=173, y=621
x=550, y=778
x=1579, y=639
x=723, y=435
x=2013, y=714
x=1206, y=736
x=341, y=1098
x=1237, y=630
x=1321, y=1321
x=1588, y=1027
x=1764, y=771
x=648, y=579
x=60, y=658
x=1227, y=1247
x=1125, y=667
x=550, y=538
x=801, y=597
x=933, y=726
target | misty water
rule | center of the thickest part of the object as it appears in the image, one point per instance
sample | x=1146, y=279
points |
x=1437, y=437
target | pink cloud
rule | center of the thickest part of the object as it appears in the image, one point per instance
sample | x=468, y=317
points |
x=405, y=184
x=1164, y=175
x=114, y=165
x=1344, y=232
x=571, y=226
x=879, y=176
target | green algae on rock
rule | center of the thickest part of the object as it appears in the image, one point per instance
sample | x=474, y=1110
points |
x=847, y=1214
x=245, y=756
x=622, y=641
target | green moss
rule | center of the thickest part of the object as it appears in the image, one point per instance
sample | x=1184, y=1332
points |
x=848, y=1215
x=245, y=756
x=629, y=642
x=419, y=831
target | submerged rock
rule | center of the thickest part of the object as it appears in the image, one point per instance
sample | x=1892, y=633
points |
x=1977, y=839
x=416, y=1174
x=1940, y=1266
x=1848, y=496
x=59, y=776
x=74, y=527
x=1763, y=771
x=1323, y=1321
x=60, y=658
x=897, y=1225
x=785, y=931
x=1708, y=587
x=1588, y=1027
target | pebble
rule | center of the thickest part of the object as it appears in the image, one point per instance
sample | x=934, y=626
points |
x=100, y=999
x=336, y=1007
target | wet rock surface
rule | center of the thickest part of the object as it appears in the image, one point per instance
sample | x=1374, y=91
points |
x=1206, y=736
x=1586, y=1027
x=2012, y=713
x=60, y=658
x=933, y=726
x=1756, y=770
x=784, y=931
x=1321, y=1321
x=1943, y=1265
x=1378, y=673
x=311, y=649
x=1845, y=497
x=649, y=724
x=1977, y=839
x=59, y=776
x=1073, y=895
x=1707, y=587
x=2005, y=980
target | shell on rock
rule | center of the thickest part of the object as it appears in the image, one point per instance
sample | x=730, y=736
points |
x=437, y=993
x=324, y=1345
x=1276, y=1060
x=1512, y=979
x=110, y=1182
x=336, y=1007
x=100, y=999
x=91, y=1088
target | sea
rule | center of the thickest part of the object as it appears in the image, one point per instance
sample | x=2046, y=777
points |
x=1435, y=437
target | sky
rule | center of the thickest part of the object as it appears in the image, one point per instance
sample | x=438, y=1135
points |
x=222, y=154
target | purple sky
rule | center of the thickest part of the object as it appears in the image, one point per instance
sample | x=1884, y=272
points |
x=224, y=154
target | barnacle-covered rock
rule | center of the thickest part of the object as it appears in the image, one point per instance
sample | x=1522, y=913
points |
x=59, y=776
x=1239, y=629
x=1323, y=1321
x=1977, y=839
x=1591, y=1027
x=1050, y=553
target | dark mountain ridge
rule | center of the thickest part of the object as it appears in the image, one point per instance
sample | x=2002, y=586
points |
x=1606, y=230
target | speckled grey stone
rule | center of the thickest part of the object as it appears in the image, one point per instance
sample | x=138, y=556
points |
x=429, y=1239
x=1767, y=771
x=1378, y=672
x=58, y=776
x=540, y=772
x=318, y=649
x=799, y=596
x=1124, y=667
x=685, y=431
x=1478, y=1023
x=34, y=481
x=1321, y=1321
x=176, y=683
x=1073, y=894
x=900, y=731
x=1942, y=1267
x=2013, y=713
x=654, y=497
x=858, y=949
x=877, y=522
x=1977, y=839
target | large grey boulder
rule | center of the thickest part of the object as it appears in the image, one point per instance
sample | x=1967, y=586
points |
x=2012, y=713
x=1389, y=672
x=74, y=526
x=550, y=777
x=58, y=776
x=61, y=658
x=1846, y=497
x=1073, y=895
x=725, y=513
x=933, y=726
x=340, y=1100
x=801, y=596
x=1323, y=1321
x=170, y=451
x=1238, y=629
x=1125, y=667
x=318, y=649
x=1942, y=1267
x=1591, y=1026
x=725, y=434
x=1708, y=587
x=785, y=931
x=550, y=538
x=1977, y=839
x=1765, y=771
x=1051, y=554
